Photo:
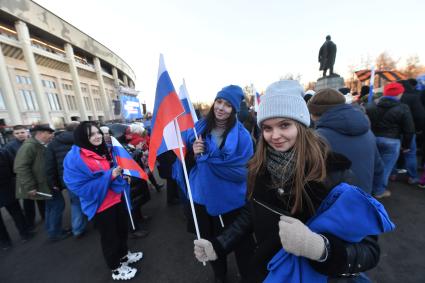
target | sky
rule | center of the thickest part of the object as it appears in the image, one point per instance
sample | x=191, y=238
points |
x=212, y=44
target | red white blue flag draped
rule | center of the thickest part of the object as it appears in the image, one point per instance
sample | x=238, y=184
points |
x=167, y=108
x=126, y=162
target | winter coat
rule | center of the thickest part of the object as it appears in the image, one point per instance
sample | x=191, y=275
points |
x=413, y=100
x=347, y=131
x=8, y=180
x=55, y=154
x=392, y=119
x=30, y=170
x=255, y=217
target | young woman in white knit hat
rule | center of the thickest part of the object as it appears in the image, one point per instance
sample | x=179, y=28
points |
x=309, y=224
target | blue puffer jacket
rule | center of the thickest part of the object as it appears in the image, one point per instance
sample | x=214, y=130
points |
x=347, y=131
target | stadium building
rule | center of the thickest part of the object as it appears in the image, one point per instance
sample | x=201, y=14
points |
x=51, y=72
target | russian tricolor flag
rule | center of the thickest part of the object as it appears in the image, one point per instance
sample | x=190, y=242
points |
x=126, y=162
x=167, y=108
x=257, y=99
x=189, y=118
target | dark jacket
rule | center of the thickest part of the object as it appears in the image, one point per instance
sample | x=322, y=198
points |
x=55, y=154
x=8, y=178
x=392, y=119
x=347, y=131
x=343, y=257
x=413, y=100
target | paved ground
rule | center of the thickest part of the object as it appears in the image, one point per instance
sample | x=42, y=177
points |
x=168, y=249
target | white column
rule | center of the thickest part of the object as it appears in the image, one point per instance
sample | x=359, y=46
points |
x=24, y=39
x=7, y=91
x=75, y=81
x=62, y=98
x=115, y=75
x=104, y=97
x=91, y=101
x=125, y=80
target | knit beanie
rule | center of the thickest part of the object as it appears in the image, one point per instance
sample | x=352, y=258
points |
x=284, y=99
x=232, y=94
x=324, y=100
x=393, y=89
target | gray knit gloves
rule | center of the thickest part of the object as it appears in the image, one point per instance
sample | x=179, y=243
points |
x=299, y=240
x=204, y=250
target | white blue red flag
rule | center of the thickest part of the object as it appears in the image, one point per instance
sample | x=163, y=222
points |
x=189, y=118
x=257, y=99
x=167, y=108
x=126, y=162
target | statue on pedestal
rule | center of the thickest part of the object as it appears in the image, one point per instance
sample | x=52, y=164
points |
x=327, y=54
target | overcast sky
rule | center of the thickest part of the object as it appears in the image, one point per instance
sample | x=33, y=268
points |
x=215, y=43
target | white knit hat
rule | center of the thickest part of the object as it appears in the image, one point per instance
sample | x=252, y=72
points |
x=284, y=99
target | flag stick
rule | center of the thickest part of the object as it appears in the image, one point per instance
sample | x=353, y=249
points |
x=189, y=190
x=129, y=211
x=221, y=221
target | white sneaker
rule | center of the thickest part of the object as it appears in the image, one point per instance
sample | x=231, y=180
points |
x=123, y=272
x=131, y=257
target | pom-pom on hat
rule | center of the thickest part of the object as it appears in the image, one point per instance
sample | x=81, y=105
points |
x=232, y=94
x=284, y=99
x=393, y=89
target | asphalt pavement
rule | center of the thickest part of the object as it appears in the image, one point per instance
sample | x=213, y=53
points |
x=168, y=249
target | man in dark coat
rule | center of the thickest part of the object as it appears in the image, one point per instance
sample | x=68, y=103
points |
x=347, y=130
x=327, y=54
x=7, y=188
x=55, y=154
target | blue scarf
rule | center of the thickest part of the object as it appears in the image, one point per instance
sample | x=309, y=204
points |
x=218, y=180
x=90, y=187
x=347, y=213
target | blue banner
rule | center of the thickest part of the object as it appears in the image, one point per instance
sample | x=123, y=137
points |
x=130, y=107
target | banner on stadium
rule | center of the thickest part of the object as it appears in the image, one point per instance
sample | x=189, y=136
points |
x=130, y=107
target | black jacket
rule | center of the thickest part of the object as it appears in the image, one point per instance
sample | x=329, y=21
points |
x=392, y=119
x=55, y=154
x=8, y=177
x=344, y=258
x=413, y=100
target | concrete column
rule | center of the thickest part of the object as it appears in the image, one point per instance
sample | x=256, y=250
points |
x=125, y=80
x=115, y=75
x=75, y=81
x=7, y=92
x=104, y=97
x=24, y=39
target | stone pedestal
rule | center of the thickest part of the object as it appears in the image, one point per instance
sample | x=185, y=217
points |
x=334, y=82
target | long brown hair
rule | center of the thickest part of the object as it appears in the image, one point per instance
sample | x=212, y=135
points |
x=310, y=164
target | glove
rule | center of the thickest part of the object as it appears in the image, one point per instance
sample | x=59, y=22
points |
x=204, y=250
x=299, y=240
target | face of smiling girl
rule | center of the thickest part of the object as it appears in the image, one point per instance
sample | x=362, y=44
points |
x=222, y=109
x=95, y=137
x=280, y=133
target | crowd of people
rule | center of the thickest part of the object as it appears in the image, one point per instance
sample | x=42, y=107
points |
x=292, y=189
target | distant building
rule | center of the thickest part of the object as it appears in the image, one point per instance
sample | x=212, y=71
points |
x=51, y=72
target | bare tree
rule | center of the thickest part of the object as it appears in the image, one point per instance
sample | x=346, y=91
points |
x=413, y=67
x=384, y=62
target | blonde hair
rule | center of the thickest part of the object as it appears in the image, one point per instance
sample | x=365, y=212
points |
x=310, y=165
x=137, y=128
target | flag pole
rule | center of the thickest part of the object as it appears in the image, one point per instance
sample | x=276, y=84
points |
x=129, y=210
x=189, y=190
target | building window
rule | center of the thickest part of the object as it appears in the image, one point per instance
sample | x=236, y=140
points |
x=70, y=100
x=2, y=105
x=87, y=103
x=98, y=104
x=54, y=101
x=28, y=98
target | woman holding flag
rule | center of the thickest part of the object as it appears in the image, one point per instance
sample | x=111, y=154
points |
x=89, y=173
x=309, y=224
x=217, y=161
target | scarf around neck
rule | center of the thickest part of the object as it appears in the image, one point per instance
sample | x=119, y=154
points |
x=280, y=165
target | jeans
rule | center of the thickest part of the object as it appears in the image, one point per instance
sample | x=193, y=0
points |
x=78, y=219
x=389, y=149
x=54, y=211
x=410, y=160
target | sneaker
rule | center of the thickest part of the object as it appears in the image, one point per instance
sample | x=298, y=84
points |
x=412, y=181
x=385, y=194
x=421, y=186
x=401, y=171
x=131, y=258
x=123, y=272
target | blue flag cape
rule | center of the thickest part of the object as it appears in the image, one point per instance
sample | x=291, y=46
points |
x=90, y=187
x=218, y=180
x=347, y=213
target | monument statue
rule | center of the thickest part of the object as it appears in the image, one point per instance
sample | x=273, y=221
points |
x=327, y=54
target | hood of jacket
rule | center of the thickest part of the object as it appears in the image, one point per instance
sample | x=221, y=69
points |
x=66, y=137
x=344, y=119
x=387, y=102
